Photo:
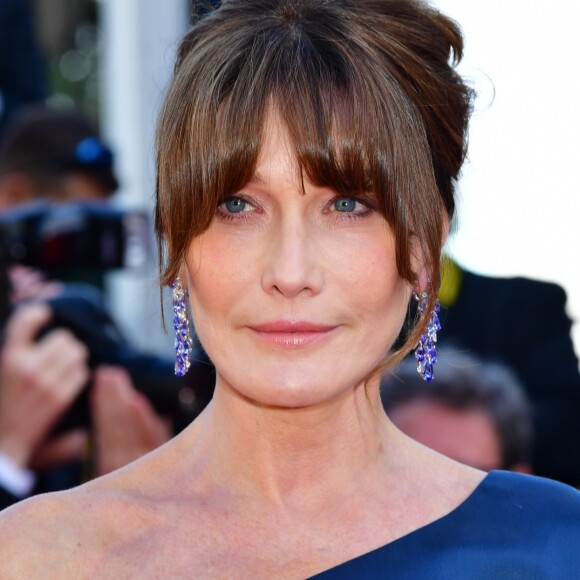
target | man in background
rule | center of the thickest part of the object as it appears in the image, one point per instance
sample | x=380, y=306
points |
x=523, y=324
x=473, y=412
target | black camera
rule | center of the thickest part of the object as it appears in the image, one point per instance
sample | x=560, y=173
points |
x=180, y=398
x=61, y=237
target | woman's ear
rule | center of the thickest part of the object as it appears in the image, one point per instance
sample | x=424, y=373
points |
x=418, y=265
x=423, y=282
x=184, y=277
x=446, y=226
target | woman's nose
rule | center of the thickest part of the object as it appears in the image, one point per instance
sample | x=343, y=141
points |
x=291, y=266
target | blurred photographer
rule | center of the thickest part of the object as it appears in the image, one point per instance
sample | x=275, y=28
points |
x=56, y=157
x=60, y=338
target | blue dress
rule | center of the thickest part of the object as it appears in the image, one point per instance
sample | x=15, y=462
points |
x=511, y=526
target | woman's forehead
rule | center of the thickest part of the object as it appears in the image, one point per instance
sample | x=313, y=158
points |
x=277, y=154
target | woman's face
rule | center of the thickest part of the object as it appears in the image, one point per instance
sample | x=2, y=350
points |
x=295, y=295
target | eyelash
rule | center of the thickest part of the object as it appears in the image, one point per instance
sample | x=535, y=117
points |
x=367, y=202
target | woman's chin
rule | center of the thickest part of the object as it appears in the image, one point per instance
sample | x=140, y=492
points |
x=286, y=392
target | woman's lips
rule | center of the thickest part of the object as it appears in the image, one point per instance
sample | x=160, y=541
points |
x=292, y=334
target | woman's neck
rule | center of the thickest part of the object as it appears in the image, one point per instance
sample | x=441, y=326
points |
x=288, y=455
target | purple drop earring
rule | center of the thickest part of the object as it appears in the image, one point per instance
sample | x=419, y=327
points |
x=426, y=351
x=183, y=342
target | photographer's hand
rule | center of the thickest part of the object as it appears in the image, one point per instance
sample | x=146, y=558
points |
x=125, y=424
x=38, y=383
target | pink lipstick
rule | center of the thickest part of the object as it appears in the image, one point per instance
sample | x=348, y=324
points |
x=292, y=334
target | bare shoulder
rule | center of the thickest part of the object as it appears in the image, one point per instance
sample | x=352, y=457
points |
x=40, y=536
x=68, y=534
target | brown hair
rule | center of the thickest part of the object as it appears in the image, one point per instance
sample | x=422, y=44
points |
x=369, y=96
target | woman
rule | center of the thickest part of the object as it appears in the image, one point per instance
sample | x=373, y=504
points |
x=307, y=152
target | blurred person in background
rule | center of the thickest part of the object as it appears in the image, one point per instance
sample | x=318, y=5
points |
x=57, y=157
x=53, y=156
x=523, y=324
x=474, y=412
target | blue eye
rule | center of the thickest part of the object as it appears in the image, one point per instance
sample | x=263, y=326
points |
x=345, y=204
x=235, y=205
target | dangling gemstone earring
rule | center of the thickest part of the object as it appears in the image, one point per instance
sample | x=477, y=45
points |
x=183, y=342
x=426, y=351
